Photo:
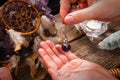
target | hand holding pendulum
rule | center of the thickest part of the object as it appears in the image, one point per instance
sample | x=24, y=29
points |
x=65, y=45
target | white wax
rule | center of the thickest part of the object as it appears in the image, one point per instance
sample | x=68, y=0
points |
x=94, y=24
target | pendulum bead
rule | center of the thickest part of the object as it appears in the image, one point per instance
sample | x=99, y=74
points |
x=65, y=44
x=66, y=47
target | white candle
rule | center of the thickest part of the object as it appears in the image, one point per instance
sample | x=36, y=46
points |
x=94, y=24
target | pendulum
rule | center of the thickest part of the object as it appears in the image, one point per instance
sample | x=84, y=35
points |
x=65, y=45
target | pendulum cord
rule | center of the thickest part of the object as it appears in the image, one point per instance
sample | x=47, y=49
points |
x=65, y=44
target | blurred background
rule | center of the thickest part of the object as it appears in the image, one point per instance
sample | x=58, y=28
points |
x=53, y=4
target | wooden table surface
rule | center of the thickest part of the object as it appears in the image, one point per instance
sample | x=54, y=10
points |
x=84, y=49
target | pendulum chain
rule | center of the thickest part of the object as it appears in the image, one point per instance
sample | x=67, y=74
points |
x=65, y=44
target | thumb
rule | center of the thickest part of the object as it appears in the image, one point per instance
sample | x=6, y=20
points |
x=95, y=11
x=54, y=73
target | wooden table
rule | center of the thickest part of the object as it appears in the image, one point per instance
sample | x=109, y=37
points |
x=84, y=49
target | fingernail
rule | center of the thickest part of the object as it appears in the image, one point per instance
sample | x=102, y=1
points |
x=69, y=19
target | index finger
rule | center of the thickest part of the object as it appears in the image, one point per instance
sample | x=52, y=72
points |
x=64, y=7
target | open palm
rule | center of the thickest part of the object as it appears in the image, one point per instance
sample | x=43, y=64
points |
x=66, y=66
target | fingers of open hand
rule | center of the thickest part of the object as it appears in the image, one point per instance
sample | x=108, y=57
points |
x=54, y=56
x=47, y=60
x=62, y=57
x=68, y=54
x=51, y=54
